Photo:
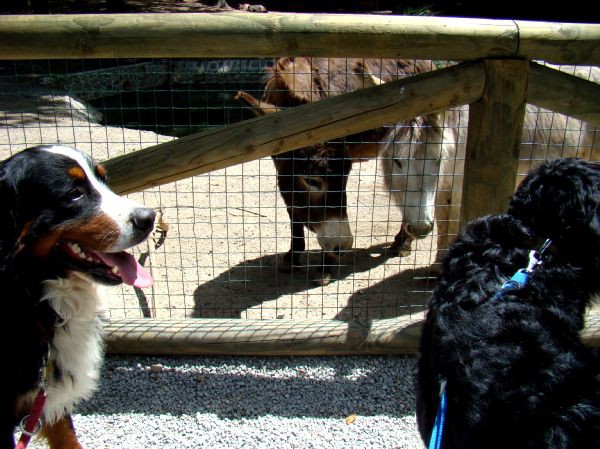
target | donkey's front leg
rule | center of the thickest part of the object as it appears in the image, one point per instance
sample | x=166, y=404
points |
x=291, y=259
x=402, y=243
x=447, y=215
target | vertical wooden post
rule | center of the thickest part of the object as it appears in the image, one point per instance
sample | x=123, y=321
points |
x=494, y=137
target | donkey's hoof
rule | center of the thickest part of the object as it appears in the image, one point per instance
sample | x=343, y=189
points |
x=323, y=280
x=402, y=250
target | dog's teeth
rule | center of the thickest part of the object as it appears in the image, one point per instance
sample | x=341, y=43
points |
x=115, y=270
x=77, y=250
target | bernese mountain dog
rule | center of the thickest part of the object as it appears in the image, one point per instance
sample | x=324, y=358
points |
x=62, y=230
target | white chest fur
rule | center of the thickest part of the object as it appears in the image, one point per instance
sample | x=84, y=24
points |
x=77, y=347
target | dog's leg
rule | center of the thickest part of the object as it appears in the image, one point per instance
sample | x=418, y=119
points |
x=61, y=434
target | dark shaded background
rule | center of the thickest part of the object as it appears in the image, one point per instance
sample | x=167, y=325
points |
x=584, y=11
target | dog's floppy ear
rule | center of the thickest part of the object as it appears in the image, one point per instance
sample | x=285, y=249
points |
x=560, y=199
x=595, y=221
x=548, y=205
x=579, y=203
x=22, y=218
x=8, y=214
x=591, y=208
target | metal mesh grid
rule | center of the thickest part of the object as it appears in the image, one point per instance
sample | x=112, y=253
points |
x=229, y=229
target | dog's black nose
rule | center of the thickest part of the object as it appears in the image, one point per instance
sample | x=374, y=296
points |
x=143, y=219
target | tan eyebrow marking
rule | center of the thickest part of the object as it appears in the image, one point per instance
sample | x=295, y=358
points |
x=77, y=173
x=101, y=171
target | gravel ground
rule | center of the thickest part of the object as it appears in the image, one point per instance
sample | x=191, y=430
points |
x=251, y=402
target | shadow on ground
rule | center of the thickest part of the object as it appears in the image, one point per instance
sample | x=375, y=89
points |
x=246, y=387
x=256, y=282
x=405, y=293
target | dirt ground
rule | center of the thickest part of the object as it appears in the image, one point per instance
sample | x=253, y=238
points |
x=228, y=230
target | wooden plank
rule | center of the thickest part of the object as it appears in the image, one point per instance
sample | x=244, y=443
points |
x=559, y=43
x=494, y=136
x=238, y=34
x=189, y=336
x=296, y=127
x=262, y=337
x=565, y=93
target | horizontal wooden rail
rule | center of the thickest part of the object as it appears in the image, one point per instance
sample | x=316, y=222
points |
x=238, y=34
x=296, y=127
x=262, y=337
x=561, y=92
x=189, y=336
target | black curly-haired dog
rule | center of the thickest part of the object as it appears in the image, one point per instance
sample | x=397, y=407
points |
x=517, y=373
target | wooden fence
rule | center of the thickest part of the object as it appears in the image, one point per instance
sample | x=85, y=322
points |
x=496, y=80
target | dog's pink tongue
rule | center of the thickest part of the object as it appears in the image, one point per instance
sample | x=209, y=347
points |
x=132, y=273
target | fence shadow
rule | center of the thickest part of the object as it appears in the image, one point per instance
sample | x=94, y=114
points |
x=257, y=281
x=405, y=293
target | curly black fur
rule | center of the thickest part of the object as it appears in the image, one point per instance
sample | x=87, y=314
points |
x=518, y=374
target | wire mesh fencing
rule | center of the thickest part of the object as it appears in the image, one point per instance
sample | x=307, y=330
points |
x=221, y=248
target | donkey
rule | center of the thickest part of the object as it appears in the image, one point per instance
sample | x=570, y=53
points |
x=421, y=159
x=546, y=135
x=312, y=180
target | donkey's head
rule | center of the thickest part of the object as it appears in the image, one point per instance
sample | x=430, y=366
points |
x=411, y=164
x=312, y=181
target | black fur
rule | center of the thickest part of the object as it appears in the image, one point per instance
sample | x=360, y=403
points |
x=518, y=374
x=45, y=197
x=28, y=181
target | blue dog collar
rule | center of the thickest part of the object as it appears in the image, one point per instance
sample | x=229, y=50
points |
x=520, y=278
x=516, y=282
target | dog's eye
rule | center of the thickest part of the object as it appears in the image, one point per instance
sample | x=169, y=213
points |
x=75, y=194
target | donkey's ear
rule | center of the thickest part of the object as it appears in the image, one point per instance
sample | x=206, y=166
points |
x=367, y=78
x=293, y=81
x=259, y=107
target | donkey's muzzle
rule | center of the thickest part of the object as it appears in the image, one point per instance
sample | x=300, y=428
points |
x=334, y=235
x=418, y=230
